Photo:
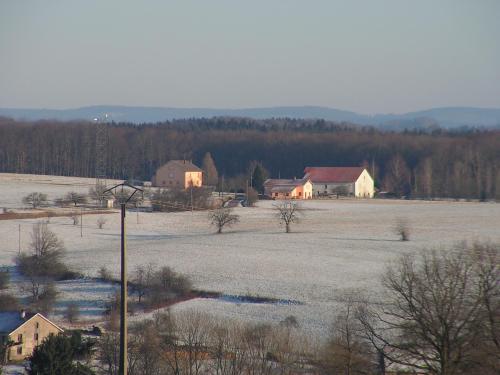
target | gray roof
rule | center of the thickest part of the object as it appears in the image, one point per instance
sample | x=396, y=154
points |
x=9, y=321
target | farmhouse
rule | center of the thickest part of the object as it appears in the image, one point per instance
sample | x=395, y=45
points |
x=355, y=181
x=25, y=331
x=288, y=189
x=179, y=174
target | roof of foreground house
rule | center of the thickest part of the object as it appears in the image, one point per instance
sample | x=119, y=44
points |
x=12, y=320
x=333, y=174
x=186, y=165
x=282, y=185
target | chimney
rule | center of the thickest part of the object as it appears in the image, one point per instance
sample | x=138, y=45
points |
x=23, y=314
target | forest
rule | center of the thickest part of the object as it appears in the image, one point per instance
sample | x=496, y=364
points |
x=417, y=164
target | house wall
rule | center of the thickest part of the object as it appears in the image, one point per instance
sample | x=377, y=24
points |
x=28, y=331
x=304, y=192
x=331, y=188
x=194, y=178
x=364, y=186
x=174, y=176
x=300, y=192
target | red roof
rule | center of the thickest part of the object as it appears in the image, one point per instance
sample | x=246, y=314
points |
x=333, y=174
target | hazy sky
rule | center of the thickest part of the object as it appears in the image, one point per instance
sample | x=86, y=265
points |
x=367, y=56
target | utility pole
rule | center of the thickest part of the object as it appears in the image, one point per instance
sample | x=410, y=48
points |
x=191, y=183
x=81, y=221
x=123, y=198
x=19, y=242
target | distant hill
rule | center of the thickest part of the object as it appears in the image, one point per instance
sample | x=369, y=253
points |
x=450, y=117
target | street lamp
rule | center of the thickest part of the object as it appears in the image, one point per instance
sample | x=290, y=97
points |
x=123, y=193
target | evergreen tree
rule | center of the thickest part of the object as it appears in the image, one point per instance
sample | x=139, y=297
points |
x=209, y=170
x=258, y=178
x=55, y=357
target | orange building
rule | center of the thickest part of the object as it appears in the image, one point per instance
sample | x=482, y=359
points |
x=178, y=174
x=288, y=189
x=25, y=331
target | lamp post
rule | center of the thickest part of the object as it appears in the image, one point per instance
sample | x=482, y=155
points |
x=120, y=193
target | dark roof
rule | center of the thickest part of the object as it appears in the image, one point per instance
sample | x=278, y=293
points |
x=10, y=320
x=187, y=165
x=333, y=174
x=282, y=185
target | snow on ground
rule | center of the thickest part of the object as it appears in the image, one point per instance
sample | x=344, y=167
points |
x=339, y=244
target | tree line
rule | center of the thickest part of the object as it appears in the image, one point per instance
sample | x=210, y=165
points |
x=461, y=164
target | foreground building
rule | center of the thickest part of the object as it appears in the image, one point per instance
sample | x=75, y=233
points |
x=178, y=174
x=288, y=189
x=354, y=181
x=25, y=331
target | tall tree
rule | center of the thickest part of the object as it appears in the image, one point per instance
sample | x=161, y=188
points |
x=209, y=170
x=259, y=175
x=397, y=178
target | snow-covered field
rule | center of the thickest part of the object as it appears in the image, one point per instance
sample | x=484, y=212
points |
x=339, y=244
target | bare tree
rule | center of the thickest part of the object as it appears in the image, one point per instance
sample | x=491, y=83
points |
x=76, y=218
x=75, y=198
x=35, y=200
x=288, y=212
x=347, y=352
x=222, y=217
x=72, y=312
x=101, y=221
x=402, y=229
x=44, y=264
x=97, y=193
x=434, y=312
x=142, y=280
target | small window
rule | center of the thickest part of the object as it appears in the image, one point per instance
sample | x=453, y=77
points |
x=19, y=350
x=20, y=338
x=36, y=336
x=37, y=325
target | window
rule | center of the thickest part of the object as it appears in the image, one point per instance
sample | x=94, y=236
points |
x=19, y=350
x=36, y=336
x=37, y=325
x=300, y=193
x=20, y=338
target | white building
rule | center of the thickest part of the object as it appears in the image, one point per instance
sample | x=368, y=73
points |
x=354, y=181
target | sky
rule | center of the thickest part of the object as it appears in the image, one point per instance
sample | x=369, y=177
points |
x=384, y=56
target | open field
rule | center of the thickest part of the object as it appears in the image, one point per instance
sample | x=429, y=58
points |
x=339, y=244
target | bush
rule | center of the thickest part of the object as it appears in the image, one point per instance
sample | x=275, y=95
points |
x=180, y=200
x=157, y=287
